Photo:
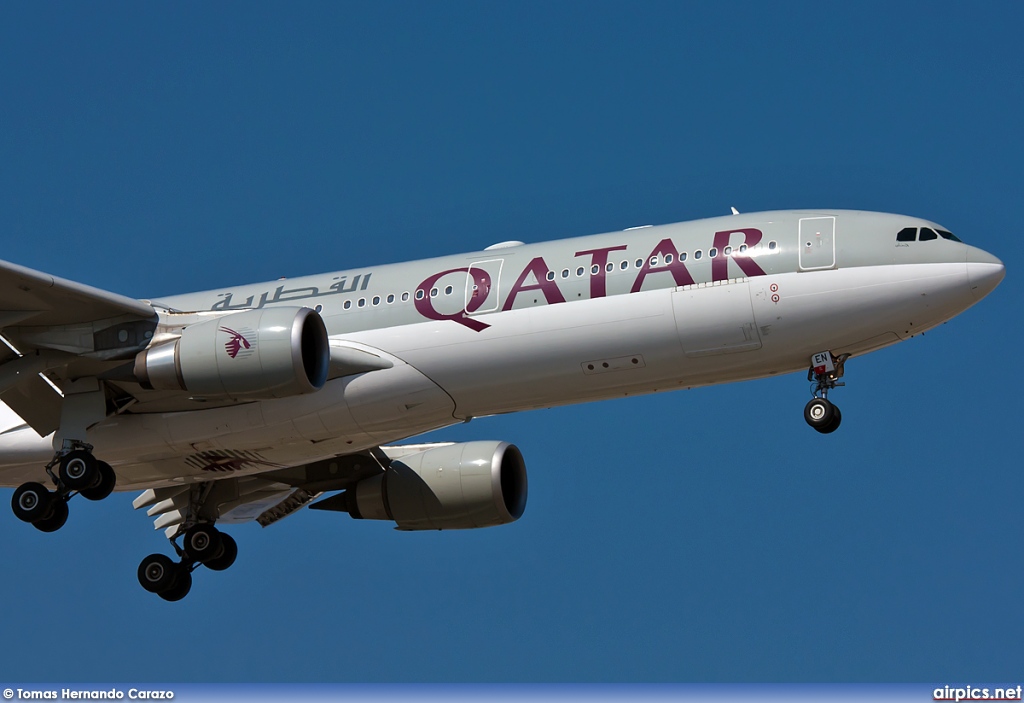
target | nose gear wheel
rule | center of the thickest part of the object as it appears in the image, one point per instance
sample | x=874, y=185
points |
x=825, y=371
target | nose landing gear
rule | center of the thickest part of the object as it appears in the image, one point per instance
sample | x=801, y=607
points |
x=825, y=372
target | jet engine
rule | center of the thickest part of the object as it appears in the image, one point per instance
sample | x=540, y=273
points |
x=452, y=487
x=268, y=353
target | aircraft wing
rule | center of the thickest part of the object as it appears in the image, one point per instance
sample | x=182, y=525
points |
x=272, y=495
x=33, y=298
x=53, y=322
x=266, y=497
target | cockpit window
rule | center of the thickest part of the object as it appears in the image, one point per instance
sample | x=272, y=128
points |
x=909, y=234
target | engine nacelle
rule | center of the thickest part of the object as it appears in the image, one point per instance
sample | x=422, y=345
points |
x=454, y=487
x=268, y=353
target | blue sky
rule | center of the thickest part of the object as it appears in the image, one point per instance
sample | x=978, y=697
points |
x=707, y=535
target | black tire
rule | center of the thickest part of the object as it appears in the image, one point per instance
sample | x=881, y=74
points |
x=57, y=517
x=32, y=502
x=203, y=543
x=158, y=573
x=108, y=479
x=228, y=557
x=818, y=413
x=831, y=427
x=78, y=470
x=180, y=588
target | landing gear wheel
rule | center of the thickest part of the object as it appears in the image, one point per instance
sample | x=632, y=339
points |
x=158, y=574
x=181, y=587
x=819, y=414
x=203, y=543
x=78, y=470
x=108, y=479
x=227, y=558
x=57, y=517
x=831, y=427
x=32, y=502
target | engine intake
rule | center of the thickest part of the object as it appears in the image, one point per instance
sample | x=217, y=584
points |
x=454, y=487
x=269, y=353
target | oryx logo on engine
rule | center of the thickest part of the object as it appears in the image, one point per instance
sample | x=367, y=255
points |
x=238, y=344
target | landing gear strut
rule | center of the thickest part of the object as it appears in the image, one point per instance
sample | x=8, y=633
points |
x=78, y=472
x=825, y=372
x=202, y=543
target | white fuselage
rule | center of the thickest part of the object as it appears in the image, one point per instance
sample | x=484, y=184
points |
x=494, y=332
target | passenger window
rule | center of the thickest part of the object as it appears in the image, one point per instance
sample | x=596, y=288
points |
x=433, y=292
x=697, y=254
x=712, y=252
x=682, y=256
x=579, y=271
x=376, y=300
x=743, y=248
x=419, y=294
x=624, y=265
x=773, y=245
x=668, y=259
x=448, y=290
x=318, y=308
x=391, y=298
x=551, y=275
x=405, y=296
x=907, y=234
x=927, y=235
x=362, y=302
x=639, y=263
x=595, y=269
x=565, y=273
x=727, y=251
x=610, y=267
x=347, y=305
x=654, y=261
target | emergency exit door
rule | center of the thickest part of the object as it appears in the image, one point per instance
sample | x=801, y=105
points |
x=817, y=243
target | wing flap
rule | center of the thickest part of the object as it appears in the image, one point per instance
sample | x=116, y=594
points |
x=228, y=501
x=37, y=403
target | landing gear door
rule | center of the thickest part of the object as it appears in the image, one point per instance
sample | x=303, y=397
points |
x=817, y=243
x=482, y=294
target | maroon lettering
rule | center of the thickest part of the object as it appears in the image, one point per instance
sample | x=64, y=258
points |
x=425, y=305
x=599, y=258
x=540, y=271
x=720, y=264
x=677, y=268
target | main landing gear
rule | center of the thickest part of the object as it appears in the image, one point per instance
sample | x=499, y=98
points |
x=825, y=372
x=78, y=473
x=201, y=544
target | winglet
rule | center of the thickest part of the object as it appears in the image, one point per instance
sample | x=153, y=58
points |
x=734, y=211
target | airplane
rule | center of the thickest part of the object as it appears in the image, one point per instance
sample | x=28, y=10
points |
x=248, y=403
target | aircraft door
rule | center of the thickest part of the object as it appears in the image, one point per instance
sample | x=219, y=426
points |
x=482, y=286
x=715, y=319
x=817, y=243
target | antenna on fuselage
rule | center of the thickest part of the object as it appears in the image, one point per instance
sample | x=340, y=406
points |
x=734, y=211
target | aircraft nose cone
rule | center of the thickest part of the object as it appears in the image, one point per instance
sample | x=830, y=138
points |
x=984, y=271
